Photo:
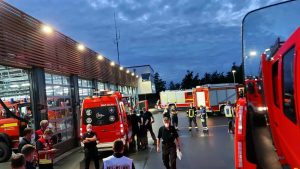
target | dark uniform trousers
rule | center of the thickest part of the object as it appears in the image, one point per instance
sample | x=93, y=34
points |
x=192, y=119
x=149, y=127
x=175, y=121
x=169, y=155
x=91, y=154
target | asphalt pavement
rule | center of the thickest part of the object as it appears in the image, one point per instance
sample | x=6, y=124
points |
x=212, y=151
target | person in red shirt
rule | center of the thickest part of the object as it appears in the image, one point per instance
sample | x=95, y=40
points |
x=45, y=150
x=39, y=133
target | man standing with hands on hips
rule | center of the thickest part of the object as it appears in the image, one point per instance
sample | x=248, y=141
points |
x=168, y=134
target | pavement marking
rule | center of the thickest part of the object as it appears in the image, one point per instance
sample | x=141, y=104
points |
x=147, y=157
x=216, y=126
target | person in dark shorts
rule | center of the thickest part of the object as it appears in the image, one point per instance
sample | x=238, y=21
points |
x=168, y=134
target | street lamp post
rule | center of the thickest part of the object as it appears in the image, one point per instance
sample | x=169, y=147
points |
x=233, y=73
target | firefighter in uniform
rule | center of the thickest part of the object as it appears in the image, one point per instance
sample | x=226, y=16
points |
x=45, y=150
x=168, y=134
x=203, y=116
x=174, y=118
x=118, y=160
x=192, y=117
x=229, y=114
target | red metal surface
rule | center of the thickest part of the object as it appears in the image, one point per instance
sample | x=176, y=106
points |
x=286, y=134
x=115, y=128
x=241, y=161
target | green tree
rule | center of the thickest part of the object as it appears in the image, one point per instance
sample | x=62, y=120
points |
x=174, y=86
x=160, y=85
x=189, y=80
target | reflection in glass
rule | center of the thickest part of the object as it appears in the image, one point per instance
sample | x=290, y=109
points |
x=263, y=27
x=59, y=106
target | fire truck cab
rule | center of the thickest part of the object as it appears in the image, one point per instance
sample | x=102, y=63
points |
x=281, y=88
x=13, y=120
x=107, y=114
x=271, y=142
x=254, y=95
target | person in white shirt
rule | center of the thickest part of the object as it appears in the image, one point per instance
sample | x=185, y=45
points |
x=118, y=160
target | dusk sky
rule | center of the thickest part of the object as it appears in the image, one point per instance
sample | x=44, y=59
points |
x=172, y=36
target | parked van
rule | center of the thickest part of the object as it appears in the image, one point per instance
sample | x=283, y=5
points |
x=107, y=114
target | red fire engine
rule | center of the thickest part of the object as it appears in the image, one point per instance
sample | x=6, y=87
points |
x=215, y=96
x=107, y=114
x=272, y=142
x=11, y=125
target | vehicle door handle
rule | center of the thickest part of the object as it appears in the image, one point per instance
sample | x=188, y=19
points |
x=104, y=130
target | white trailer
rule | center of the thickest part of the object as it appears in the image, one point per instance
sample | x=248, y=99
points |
x=180, y=98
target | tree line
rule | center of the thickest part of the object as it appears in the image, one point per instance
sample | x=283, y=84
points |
x=191, y=79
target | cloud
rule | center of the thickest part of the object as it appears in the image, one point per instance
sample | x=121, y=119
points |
x=172, y=36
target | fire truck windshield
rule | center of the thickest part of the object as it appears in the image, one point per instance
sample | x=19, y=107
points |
x=99, y=116
x=261, y=28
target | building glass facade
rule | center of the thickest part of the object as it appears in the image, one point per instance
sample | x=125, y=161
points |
x=59, y=101
x=85, y=88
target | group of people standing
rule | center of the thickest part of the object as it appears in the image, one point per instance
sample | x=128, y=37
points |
x=35, y=149
x=192, y=113
x=140, y=126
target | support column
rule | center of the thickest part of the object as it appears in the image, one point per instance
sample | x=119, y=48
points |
x=38, y=95
x=95, y=84
x=75, y=107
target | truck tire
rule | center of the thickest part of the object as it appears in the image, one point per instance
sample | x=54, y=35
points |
x=5, y=152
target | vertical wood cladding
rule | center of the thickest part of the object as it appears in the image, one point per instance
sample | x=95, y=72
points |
x=23, y=45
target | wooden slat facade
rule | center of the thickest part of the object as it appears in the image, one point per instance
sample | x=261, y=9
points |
x=24, y=45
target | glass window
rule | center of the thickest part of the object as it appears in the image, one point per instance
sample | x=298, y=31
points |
x=57, y=79
x=15, y=93
x=85, y=89
x=101, y=86
x=288, y=85
x=60, y=116
x=101, y=115
x=48, y=78
x=145, y=77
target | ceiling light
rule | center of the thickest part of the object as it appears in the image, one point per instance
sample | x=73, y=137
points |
x=14, y=86
x=100, y=57
x=81, y=47
x=47, y=29
x=112, y=63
